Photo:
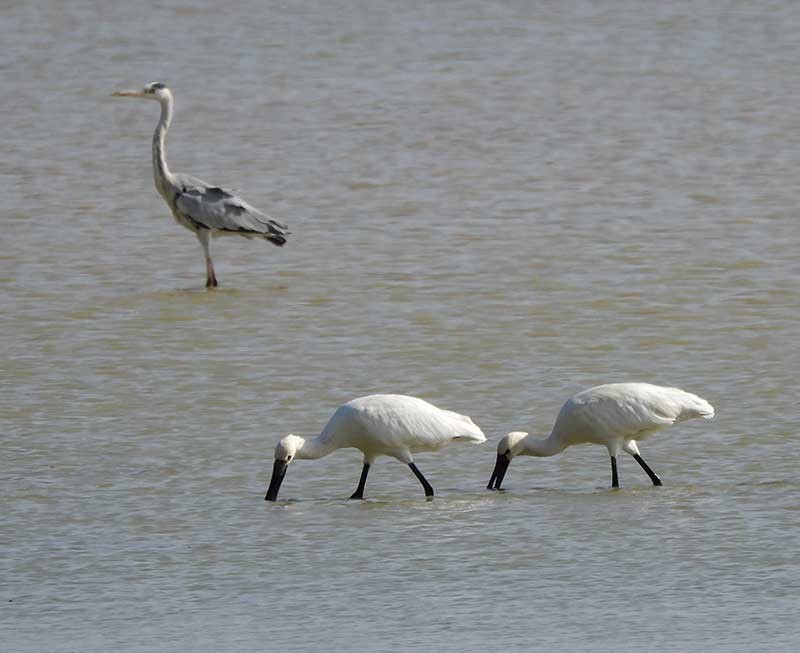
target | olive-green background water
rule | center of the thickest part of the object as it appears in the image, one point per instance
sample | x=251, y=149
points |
x=493, y=205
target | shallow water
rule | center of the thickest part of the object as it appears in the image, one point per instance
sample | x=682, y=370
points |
x=492, y=205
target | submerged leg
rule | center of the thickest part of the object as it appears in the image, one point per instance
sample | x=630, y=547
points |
x=614, y=477
x=211, y=278
x=422, y=479
x=359, y=493
x=653, y=476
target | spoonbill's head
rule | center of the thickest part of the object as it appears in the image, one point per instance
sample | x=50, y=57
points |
x=285, y=452
x=153, y=91
x=507, y=448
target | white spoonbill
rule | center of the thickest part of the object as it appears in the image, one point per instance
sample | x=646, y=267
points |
x=615, y=415
x=378, y=425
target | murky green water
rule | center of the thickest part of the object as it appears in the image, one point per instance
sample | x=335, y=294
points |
x=492, y=205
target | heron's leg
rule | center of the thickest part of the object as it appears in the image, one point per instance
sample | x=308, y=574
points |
x=653, y=476
x=422, y=479
x=211, y=279
x=359, y=493
x=614, y=477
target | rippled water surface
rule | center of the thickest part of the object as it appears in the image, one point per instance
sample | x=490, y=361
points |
x=493, y=205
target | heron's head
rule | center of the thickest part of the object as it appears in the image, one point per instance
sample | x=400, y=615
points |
x=507, y=448
x=285, y=452
x=153, y=91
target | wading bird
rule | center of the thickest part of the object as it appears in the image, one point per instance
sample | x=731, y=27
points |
x=204, y=209
x=615, y=415
x=378, y=425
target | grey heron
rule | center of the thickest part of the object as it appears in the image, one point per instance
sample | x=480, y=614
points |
x=200, y=207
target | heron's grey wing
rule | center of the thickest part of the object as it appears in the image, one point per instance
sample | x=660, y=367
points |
x=220, y=210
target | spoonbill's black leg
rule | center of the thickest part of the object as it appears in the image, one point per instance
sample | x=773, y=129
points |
x=422, y=479
x=653, y=476
x=359, y=493
x=614, y=477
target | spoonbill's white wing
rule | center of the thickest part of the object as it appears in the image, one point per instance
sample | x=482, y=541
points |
x=403, y=422
x=626, y=410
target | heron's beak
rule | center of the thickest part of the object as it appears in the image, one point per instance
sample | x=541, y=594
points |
x=126, y=94
x=278, y=472
x=500, y=468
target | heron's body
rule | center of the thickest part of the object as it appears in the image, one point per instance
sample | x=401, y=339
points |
x=614, y=415
x=202, y=208
x=378, y=425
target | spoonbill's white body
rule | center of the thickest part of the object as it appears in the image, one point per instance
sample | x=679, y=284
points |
x=615, y=415
x=378, y=425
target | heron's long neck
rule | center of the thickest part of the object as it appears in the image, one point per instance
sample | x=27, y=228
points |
x=549, y=446
x=315, y=448
x=161, y=171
